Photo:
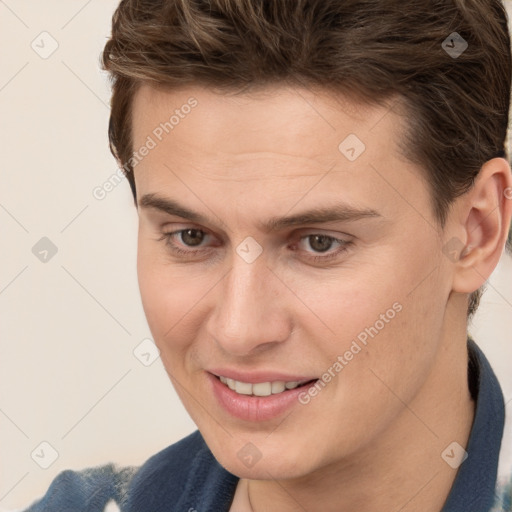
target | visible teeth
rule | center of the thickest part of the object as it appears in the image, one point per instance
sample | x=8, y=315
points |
x=243, y=388
x=278, y=387
x=259, y=388
x=262, y=389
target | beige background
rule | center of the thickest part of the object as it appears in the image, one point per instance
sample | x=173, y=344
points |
x=68, y=374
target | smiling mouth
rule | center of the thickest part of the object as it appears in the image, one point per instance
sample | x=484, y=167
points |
x=263, y=388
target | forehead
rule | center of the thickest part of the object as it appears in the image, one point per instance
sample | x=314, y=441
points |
x=283, y=142
x=277, y=119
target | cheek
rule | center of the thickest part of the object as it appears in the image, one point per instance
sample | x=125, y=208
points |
x=401, y=326
x=170, y=298
x=348, y=300
x=386, y=313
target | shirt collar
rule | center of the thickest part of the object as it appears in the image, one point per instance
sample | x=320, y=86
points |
x=474, y=486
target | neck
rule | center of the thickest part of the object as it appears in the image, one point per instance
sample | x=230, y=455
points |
x=402, y=469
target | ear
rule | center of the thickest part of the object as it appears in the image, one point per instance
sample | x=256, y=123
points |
x=484, y=222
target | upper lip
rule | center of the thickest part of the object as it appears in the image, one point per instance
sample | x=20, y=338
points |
x=254, y=377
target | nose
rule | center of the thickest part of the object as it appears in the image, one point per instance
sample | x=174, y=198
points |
x=250, y=311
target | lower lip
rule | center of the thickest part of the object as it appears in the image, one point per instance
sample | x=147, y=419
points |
x=255, y=408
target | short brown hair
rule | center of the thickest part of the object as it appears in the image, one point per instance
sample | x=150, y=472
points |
x=457, y=105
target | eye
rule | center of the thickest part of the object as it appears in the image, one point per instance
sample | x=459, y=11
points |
x=320, y=243
x=191, y=237
x=186, y=242
x=197, y=243
x=320, y=247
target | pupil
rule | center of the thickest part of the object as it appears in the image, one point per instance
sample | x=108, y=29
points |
x=320, y=243
x=192, y=236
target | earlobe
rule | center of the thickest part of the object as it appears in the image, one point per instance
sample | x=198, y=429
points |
x=486, y=214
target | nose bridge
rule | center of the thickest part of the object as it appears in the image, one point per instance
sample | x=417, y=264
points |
x=247, y=313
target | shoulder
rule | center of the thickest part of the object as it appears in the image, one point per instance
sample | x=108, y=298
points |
x=169, y=468
x=89, y=489
x=175, y=458
x=503, y=497
x=184, y=472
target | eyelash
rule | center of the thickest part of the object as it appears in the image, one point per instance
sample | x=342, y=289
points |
x=167, y=238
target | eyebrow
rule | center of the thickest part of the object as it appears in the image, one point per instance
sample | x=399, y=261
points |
x=336, y=213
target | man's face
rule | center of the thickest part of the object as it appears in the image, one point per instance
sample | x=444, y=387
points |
x=309, y=258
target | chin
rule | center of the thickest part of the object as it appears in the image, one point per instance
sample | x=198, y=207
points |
x=277, y=461
x=265, y=469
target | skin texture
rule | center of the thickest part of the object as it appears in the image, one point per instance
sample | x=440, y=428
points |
x=373, y=436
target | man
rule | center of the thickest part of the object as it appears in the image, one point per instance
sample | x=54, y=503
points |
x=322, y=192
